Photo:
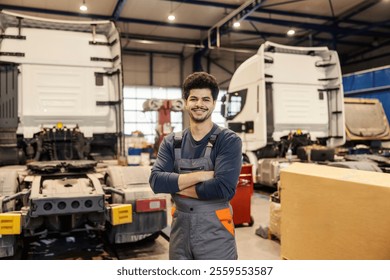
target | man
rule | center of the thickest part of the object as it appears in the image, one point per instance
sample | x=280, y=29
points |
x=200, y=167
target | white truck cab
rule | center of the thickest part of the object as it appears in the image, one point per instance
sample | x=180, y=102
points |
x=284, y=93
x=61, y=135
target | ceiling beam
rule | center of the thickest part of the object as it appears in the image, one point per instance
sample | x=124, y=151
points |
x=357, y=9
x=305, y=16
x=361, y=52
x=283, y=35
x=163, y=23
x=207, y=3
x=283, y=3
x=129, y=51
x=118, y=9
x=103, y=17
x=151, y=22
x=361, y=27
x=345, y=16
x=367, y=59
x=52, y=12
x=161, y=39
x=317, y=27
x=239, y=14
x=264, y=9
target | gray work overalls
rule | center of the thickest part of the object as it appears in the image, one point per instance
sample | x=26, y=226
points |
x=201, y=229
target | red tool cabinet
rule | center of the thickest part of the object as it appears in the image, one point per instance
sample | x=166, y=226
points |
x=241, y=201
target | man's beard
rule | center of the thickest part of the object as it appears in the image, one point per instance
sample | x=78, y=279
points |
x=200, y=119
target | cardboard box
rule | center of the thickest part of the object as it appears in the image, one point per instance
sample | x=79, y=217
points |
x=334, y=213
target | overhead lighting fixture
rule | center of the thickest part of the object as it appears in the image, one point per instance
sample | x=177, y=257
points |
x=171, y=16
x=291, y=32
x=236, y=24
x=83, y=7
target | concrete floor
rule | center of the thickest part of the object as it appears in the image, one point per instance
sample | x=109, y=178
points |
x=250, y=245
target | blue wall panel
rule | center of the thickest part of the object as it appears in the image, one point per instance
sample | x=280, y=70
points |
x=370, y=84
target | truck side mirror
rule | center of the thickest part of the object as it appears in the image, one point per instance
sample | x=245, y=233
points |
x=223, y=108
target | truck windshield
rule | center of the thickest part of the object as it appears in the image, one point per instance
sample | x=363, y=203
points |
x=235, y=103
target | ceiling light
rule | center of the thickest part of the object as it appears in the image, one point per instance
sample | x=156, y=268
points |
x=171, y=16
x=236, y=24
x=83, y=7
x=291, y=32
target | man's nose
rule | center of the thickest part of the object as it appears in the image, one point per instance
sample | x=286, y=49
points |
x=199, y=102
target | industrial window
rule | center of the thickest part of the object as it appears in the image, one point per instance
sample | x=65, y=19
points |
x=137, y=120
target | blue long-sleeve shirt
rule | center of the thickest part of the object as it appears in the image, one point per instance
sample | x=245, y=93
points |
x=226, y=156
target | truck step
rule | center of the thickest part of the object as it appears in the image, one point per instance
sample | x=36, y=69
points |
x=328, y=79
x=268, y=60
x=327, y=64
x=329, y=89
x=16, y=37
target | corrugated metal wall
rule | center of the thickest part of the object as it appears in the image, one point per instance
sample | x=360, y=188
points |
x=372, y=83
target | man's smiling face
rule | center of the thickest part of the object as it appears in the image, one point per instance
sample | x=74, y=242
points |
x=200, y=104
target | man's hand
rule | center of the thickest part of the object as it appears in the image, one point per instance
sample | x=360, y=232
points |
x=191, y=179
x=190, y=192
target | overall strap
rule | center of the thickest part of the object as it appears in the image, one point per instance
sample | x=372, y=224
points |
x=177, y=139
x=212, y=140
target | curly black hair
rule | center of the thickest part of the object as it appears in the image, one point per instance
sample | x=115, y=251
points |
x=200, y=80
